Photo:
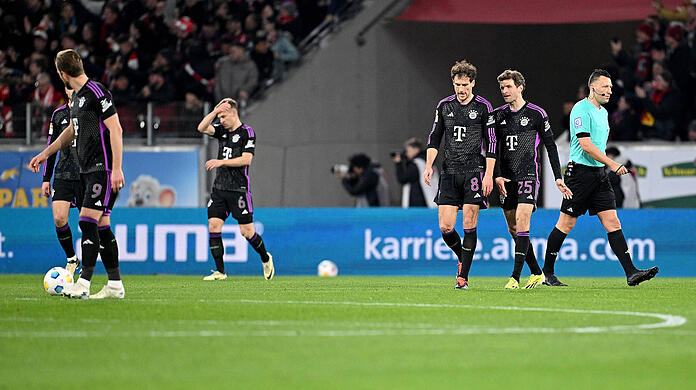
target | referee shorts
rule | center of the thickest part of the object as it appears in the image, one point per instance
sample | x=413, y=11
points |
x=591, y=190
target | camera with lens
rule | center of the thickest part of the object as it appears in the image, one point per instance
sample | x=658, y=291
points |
x=339, y=168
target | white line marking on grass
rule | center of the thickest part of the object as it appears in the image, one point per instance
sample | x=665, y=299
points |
x=668, y=320
x=294, y=328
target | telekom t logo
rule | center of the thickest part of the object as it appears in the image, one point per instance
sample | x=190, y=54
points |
x=511, y=141
x=459, y=132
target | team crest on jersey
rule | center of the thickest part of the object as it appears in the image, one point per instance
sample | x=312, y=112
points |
x=81, y=102
x=473, y=114
x=235, y=138
x=524, y=121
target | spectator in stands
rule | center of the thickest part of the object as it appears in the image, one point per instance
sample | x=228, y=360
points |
x=191, y=114
x=636, y=68
x=194, y=9
x=130, y=58
x=410, y=165
x=284, y=52
x=111, y=26
x=264, y=59
x=158, y=89
x=235, y=31
x=6, y=115
x=209, y=37
x=40, y=41
x=45, y=99
x=236, y=76
x=625, y=121
x=662, y=109
x=122, y=90
x=287, y=18
x=679, y=57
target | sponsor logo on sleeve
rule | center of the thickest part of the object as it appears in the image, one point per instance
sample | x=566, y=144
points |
x=105, y=105
x=577, y=122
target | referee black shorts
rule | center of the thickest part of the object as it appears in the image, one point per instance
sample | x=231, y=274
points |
x=591, y=190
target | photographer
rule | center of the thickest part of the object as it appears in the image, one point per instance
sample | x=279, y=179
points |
x=360, y=179
x=410, y=165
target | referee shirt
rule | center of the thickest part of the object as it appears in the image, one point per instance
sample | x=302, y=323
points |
x=586, y=120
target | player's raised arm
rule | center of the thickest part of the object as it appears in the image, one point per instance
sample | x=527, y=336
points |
x=205, y=126
x=61, y=142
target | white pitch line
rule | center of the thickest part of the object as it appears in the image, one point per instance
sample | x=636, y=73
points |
x=303, y=328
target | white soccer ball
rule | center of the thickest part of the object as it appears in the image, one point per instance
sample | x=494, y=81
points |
x=56, y=280
x=327, y=268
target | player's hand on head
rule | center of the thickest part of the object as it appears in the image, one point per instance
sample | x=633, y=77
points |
x=46, y=189
x=565, y=191
x=500, y=183
x=428, y=174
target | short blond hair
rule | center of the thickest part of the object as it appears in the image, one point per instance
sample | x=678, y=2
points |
x=230, y=101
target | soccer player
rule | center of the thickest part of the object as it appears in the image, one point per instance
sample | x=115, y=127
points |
x=95, y=127
x=587, y=179
x=520, y=127
x=231, y=188
x=463, y=120
x=66, y=184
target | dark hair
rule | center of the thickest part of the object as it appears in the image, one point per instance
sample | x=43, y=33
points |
x=513, y=75
x=667, y=76
x=360, y=160
x=597, y=73
x=463, y=69
x=612, y=150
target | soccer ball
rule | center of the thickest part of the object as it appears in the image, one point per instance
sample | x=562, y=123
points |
x=327, y=268
x=56, y=280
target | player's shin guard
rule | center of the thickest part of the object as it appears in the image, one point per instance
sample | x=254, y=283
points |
x=468, y=249
x=521, y=249
x=108, y=248
x=453, y=241
x=553, y=245
x=257, y=243
x=217, y=250
x=65, y=238
x=90, y=247
x=617, y=241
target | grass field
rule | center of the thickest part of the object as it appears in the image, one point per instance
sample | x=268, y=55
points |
x=350, y=333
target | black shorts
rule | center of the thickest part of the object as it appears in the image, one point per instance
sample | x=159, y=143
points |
x=238, y=203
x=97, y=193
x=68, y=191
x=591, y=190
x=461, y=189
x=527, y=191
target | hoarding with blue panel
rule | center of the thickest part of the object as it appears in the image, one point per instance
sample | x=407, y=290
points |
x=165, y=178
x=386, y=241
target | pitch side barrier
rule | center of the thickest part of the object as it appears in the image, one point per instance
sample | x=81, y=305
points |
x=388, y=241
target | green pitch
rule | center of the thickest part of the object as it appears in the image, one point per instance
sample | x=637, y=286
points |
x=350, y=333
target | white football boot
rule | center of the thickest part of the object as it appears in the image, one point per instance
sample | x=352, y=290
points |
x=77, y=291
x=109, y=292
x=268, y=269
x=216, y=275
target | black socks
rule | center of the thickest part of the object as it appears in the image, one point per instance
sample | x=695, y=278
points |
x=617, y=241
x=257, y=243
x=216, y=248
x=109, y=252
x=65, y=239
x=90, y=246
x=553, y=245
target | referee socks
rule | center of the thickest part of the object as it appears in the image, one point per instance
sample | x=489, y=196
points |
x=617, y=241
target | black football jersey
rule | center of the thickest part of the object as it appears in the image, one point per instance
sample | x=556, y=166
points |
x=518, y=135
x=67, y=167
x=465, y=131
x=88, y=109
x=232, y=143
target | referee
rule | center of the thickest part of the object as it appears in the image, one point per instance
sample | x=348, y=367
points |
x=586, y=178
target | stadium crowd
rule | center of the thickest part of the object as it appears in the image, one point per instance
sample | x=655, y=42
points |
x=655, y=82
x=151, y=51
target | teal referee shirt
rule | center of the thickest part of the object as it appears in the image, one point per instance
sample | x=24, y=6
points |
x=586, y=120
